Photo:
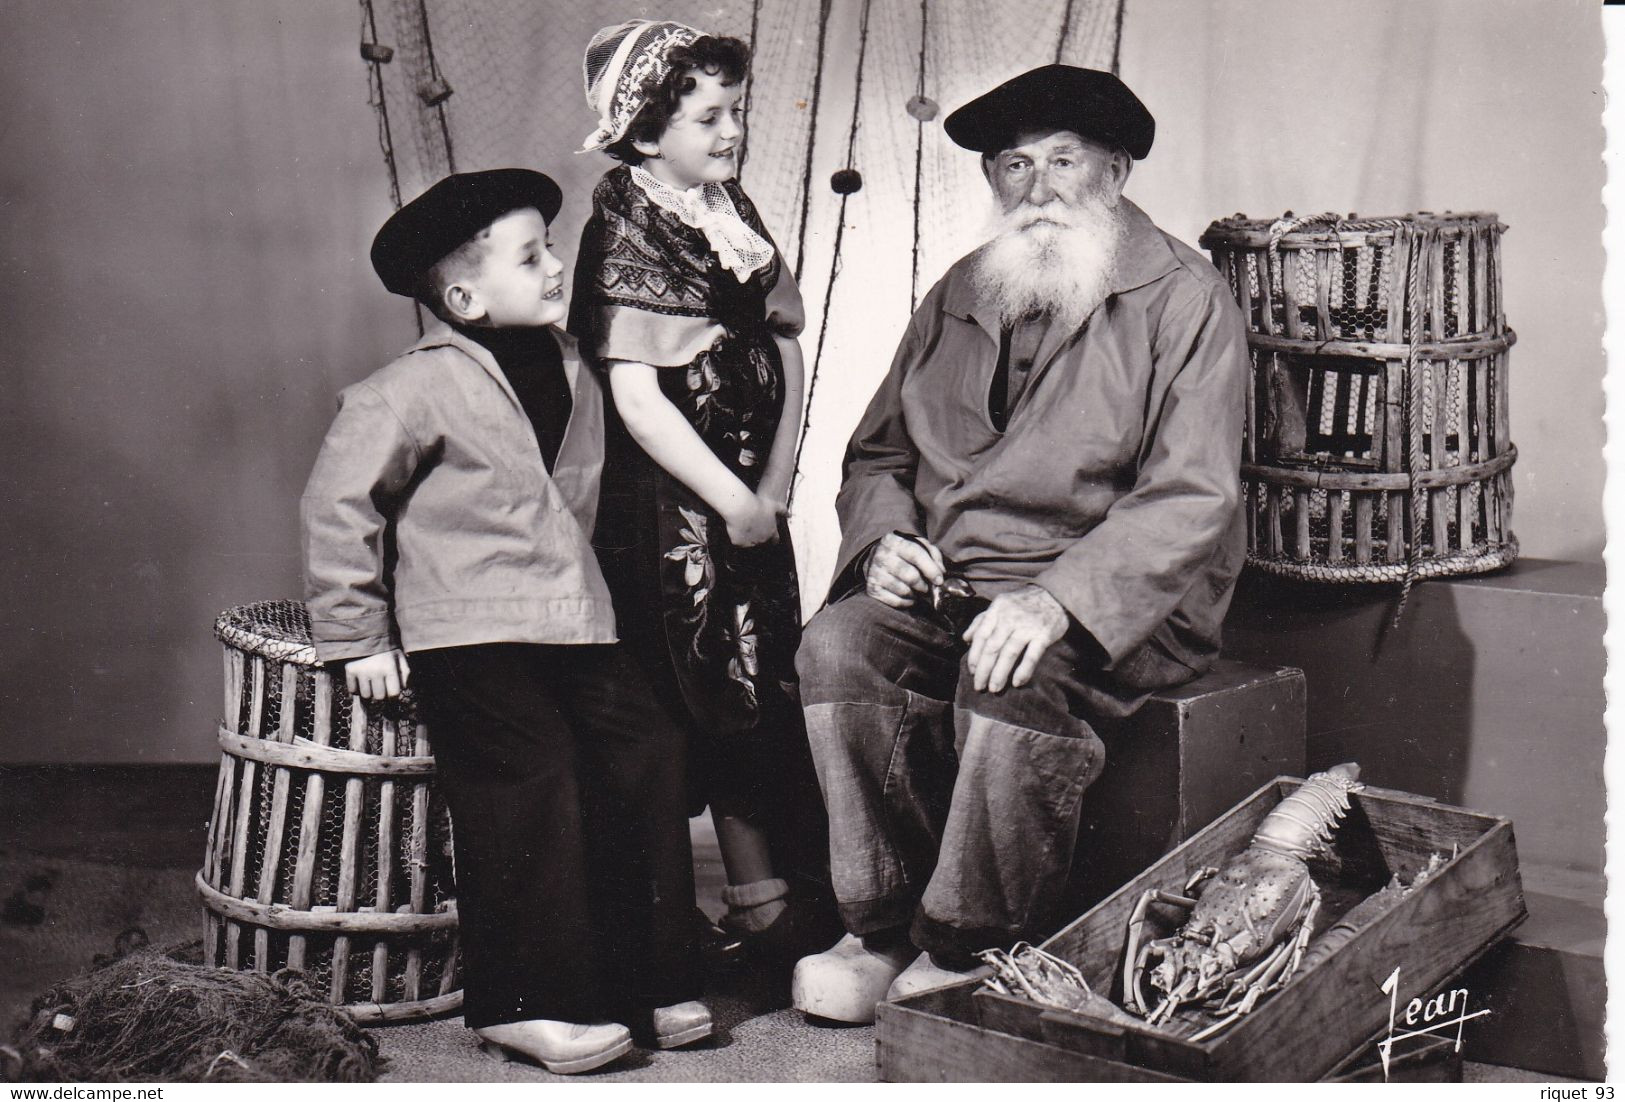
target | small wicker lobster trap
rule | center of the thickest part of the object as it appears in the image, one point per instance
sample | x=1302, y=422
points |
x=328, y=850
x=1377, y=445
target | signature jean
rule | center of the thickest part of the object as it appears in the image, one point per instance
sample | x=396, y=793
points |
x=953, y=812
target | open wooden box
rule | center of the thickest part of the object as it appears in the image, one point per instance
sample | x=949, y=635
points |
x=1301, y=1033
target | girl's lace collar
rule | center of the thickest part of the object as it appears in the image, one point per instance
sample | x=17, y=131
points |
x=708, y=208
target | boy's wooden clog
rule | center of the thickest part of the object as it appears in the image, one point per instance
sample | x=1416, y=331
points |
x=563, y=1048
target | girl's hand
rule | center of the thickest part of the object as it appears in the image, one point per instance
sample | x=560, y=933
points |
x=778, y=495
x=378, y=676
x=755, y=522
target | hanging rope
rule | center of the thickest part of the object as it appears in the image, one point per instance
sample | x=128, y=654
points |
x=750, y=77
x=376, y=54
x=375, y=97
x=437, y=82
x=1117, y=41
x=812, y=143
x=919, y=159
x=1422, y=242
x=1066, y=29
x=840, y=233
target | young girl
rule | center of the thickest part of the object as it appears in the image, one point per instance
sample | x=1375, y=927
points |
x=682, y=299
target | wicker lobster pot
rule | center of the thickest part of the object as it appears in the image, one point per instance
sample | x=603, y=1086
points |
x=328, y=851
x=1377, y=445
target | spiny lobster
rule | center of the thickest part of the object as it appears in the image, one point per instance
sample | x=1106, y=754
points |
x=1250, y=923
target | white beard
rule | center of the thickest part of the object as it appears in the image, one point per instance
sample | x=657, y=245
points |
x=1032, y=266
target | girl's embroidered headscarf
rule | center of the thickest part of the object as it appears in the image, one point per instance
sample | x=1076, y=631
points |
x=620, y=61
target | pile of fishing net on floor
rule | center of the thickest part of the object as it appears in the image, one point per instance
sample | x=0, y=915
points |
x=153, y=1016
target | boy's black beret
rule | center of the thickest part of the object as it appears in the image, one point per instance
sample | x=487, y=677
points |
x=424, y=231
x=1088, y=102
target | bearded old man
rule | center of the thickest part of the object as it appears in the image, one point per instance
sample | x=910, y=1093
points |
x=1061, y=426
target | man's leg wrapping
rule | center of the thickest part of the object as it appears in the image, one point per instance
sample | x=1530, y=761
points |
x=1025, y=758
x=875, y=685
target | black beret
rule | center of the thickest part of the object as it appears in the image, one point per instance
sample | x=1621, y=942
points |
x=424, y=231
x=1087, y=102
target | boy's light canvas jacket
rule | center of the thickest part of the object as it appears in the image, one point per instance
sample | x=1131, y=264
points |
x=431, y=521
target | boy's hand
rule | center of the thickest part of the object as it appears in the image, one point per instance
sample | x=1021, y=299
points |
x=756, y=522
x=377, y=676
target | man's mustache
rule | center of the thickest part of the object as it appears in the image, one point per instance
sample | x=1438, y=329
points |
x=1053, y=214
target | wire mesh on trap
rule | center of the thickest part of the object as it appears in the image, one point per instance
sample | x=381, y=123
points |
x=329, y=850
x=1377, y=435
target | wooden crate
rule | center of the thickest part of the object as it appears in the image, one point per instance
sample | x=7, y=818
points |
x=1302, y=1033
x=927, y=1039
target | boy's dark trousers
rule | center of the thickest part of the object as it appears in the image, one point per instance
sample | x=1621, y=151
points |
x=565, y=780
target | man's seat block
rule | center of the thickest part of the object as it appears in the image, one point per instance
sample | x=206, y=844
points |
x=1181, y=761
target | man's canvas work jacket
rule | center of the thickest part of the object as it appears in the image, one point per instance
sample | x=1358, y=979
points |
x=430, y=519
x=1116, y=483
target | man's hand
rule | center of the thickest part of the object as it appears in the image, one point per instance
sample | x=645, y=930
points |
x=899, y=568
x=378, y=676
x=1012, y=634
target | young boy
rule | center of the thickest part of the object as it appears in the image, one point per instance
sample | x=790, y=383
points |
x=447, y=528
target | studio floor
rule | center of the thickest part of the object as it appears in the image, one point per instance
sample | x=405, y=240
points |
x=88, y=852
